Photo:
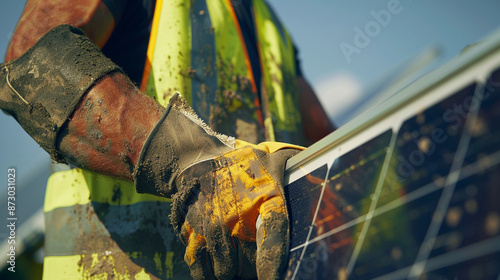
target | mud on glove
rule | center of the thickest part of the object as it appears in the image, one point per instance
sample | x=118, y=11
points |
x=219, y=187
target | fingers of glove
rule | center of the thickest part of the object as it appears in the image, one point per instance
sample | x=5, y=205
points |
x=272, y=242
x=247, y=256
x=228, y=255
x=232, y=257
x=221, y=249
x=198, y=258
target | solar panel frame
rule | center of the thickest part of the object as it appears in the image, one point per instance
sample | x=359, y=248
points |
x=473, y=67
x=477, y=62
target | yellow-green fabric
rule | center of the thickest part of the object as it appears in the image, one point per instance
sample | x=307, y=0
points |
x=99, y=227
x=279, y=75
x=171, y=59
x=200, y=52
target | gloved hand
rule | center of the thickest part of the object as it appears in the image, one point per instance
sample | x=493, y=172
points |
x=217, y=208
x=219, y=188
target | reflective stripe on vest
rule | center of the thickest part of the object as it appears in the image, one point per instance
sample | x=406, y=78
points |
x=197, y=48
x=279, y=75
x=97, y=226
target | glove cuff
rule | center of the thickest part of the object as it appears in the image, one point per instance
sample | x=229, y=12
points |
x=42, y=88
x=179, y=140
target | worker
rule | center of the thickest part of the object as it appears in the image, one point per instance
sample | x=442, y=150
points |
x=234, y=64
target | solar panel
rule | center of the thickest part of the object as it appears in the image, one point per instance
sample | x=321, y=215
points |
x=409, y=189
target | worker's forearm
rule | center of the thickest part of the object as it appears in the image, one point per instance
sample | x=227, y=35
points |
x=82, y=108
x=109, y=127
x=40, y=16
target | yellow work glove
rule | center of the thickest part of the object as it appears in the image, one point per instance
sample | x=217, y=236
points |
x=219, y=188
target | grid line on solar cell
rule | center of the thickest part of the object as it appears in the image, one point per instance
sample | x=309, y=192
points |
x=465, y=172
x=444, y=201
x=461, y=255
x=457, y=173
x=451, y=188
x=373, y=205
x=345, y=226
x=436, y=262
x=356, y=165
x=311, y=226
x=377, y=148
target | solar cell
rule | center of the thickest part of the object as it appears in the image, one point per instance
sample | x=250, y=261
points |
x=410, y=189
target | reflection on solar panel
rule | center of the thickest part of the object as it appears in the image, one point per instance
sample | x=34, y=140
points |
x=409, y=190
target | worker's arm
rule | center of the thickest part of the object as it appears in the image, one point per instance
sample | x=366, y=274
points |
x=97, y=22
x=109, y=127
x=40, y=16
x=80, y=107
x=315, y=121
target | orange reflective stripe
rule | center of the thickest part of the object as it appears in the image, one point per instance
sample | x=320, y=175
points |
x=230, y=8
x=151, y=45
x=258, y=111
x=256, y=102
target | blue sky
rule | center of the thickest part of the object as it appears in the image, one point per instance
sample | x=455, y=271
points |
x=319, y=28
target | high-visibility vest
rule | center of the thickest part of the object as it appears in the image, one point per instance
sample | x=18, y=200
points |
x=206, y=60
x=96, y=225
